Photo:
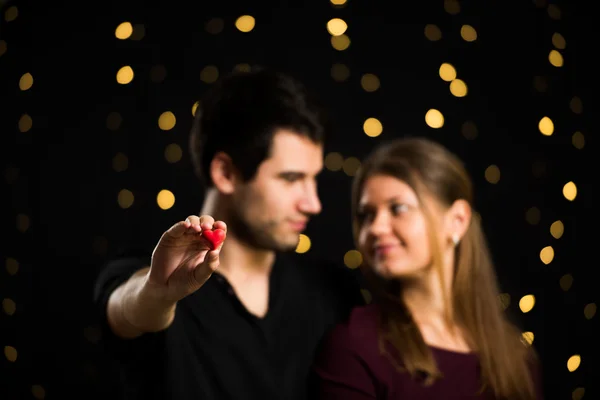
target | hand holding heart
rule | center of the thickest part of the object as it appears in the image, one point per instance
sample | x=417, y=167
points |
x=215, y=238
x=186, y=256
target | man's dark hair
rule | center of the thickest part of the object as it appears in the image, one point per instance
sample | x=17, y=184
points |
x=240, y=114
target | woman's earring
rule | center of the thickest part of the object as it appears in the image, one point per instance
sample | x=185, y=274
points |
x=455, y=239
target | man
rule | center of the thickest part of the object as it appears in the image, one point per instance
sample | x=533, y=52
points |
x=241, y=321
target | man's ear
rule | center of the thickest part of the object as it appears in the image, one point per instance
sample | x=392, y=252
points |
x=223, y=173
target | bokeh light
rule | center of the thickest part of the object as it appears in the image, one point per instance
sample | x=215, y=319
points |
x=165, y=199
x=304, y=244
x=245, y=23
x=336, y=26
x=125, y=75
x=526, y=303
x=124, y=30
x=434, y=118
x=372, y=127
x=570, y=191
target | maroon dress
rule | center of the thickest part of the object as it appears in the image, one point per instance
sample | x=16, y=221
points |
x=350, y=366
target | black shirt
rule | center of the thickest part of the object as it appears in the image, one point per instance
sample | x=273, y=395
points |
x=216, y=350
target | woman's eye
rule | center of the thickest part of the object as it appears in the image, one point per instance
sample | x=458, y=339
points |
x=399, y=208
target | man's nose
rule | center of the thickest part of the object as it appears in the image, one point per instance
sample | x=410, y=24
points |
x=310, y=202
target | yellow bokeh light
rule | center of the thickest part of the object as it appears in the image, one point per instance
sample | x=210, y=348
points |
x=166, y=121
x=173, y=153
x=245, y=23
x=578, y=393
x=540, y=84
x=209, y=74
x=303, y=244
x=3, y=47
x=23, y=222
x=341, y=42
x=565, y=282
x=138, y=32
x=12, y=266
x=504, y=299
x=589, y=310
x=447, y=72
x=26, y=81
x=556, y=58
x=573, y=362
x=351, y=165
x=492, y=174
x=125, y=198
x=576, y=105
x=546, y=126
x=243, y=67
x=340, y=72
x=120, y=162
x=214, y=26
x=559, y=41
x=554, y=11
x=452, y=7
x=113, y=120
x=458, y=88
x=338, y=2
x=533, y=216
x=9, y=306
x=434, y=118
x=369, y=82
x=557, y=229
x=334, y=161
x=468, y=33
x=194, y=108
x=336, y=26
x=25, y=123
x=158, y=73
x=578, y=140
x=165, y=199
x=372, y=127
x=528, y=337
x=38, y=392
x=570, y=191
x=125, y=75
x=432, y=32
x=547, y=255
x=526, y=303
x=10, y=353
x=353, y=259
x=469, y=130
x=11, y=13
x=124, y=30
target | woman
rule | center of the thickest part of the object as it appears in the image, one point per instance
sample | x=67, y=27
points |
x=435, y=329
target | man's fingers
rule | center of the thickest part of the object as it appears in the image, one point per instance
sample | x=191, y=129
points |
x=206, y=221
x=211, y=263
x=220, y=225
x=179, y=229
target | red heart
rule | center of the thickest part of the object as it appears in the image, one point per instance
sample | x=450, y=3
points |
x=215, y=238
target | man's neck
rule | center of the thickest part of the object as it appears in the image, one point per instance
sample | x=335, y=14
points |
x=238, y=260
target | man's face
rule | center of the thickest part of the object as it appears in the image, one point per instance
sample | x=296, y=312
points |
x=271, y=210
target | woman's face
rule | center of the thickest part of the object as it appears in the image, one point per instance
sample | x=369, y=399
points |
x=394, y=235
